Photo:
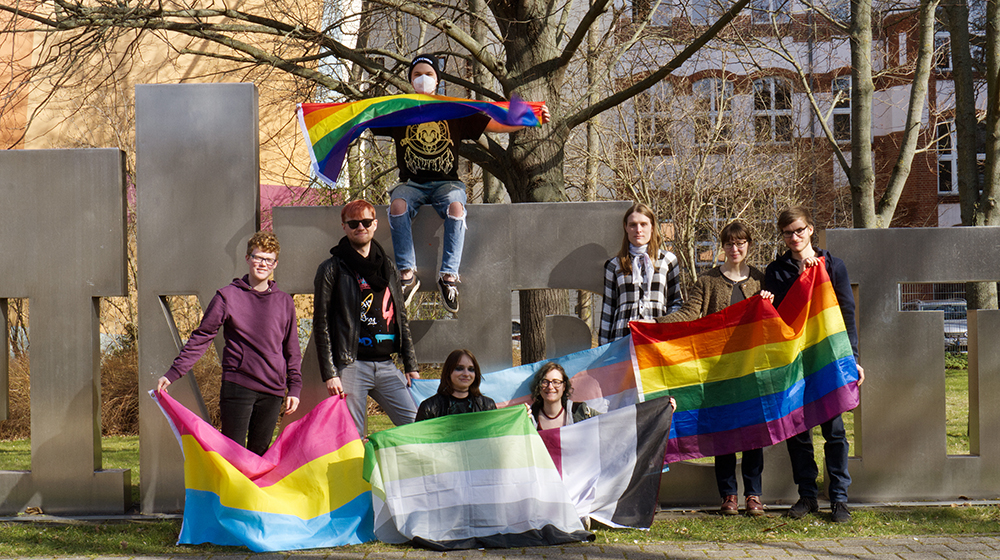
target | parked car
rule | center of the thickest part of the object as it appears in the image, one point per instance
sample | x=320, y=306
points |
x=956, y=323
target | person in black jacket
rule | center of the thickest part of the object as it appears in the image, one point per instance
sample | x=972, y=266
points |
x=458, y=391
x=359, y=321
x=796, y=226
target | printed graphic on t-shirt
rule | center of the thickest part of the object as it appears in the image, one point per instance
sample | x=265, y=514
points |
x=377, y=329
x=427, y=148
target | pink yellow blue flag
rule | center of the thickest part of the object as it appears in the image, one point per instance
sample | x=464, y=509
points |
x=307, y=491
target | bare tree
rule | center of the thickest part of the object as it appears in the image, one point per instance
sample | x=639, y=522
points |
x=528, y=47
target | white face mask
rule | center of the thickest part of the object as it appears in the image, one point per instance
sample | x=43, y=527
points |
x=424, y=84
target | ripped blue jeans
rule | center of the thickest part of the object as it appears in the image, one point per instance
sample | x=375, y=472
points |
x=440, y=194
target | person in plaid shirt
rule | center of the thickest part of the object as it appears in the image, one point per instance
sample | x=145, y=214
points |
x=643, y=281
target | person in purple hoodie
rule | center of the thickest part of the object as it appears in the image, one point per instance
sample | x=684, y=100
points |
x=261, y=362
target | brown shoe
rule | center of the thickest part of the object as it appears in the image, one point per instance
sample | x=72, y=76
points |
x=730, y=506
x=754, y=507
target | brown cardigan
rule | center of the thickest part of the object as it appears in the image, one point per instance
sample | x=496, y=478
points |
x=713, y=292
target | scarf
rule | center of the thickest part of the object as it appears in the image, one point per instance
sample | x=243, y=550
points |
x=642, y=271
x=374, y=268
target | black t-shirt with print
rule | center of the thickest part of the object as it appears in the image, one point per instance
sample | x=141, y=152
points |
x=377, y=325
x=429, y=151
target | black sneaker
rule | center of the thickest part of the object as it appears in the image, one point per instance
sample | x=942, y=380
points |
x=802, y=508
x=410, y=288
x=449, y=295
x=839, y=513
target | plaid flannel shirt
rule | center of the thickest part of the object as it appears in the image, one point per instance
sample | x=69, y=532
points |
x=623, y=298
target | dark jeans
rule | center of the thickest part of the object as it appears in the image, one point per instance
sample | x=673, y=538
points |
x=725, y=473
x=248, y=417
x=804, y=470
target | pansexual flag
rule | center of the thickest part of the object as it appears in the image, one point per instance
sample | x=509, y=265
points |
x=751, y=375
x=611, y=463
x=602, y=377
x=329, y=128
x=305, y=492
x=475, y=480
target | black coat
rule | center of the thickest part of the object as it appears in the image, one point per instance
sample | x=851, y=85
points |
x=336, y=309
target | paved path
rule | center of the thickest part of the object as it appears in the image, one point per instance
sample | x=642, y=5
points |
x=888, y=548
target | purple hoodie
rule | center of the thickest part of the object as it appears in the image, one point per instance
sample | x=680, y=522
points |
x=262, y=343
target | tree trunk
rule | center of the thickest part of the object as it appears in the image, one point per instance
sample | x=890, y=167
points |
x=862, y=88
x=535, y=305
x=914, y=115
x=987, y=206
x=978, y=295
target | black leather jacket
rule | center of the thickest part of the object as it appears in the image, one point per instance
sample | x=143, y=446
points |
x=336, y=310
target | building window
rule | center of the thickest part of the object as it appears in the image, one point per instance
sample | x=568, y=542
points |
x=942, y=51
x=841, y=90
x=713, y=119
x=948, y=158
x=764, y=11
x=772, y=110
x=706, y=12
x=642, y=10
x=654, y=116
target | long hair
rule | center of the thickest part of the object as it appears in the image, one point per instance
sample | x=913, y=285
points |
x=445, y=387
x=536, y=386
x=652, y=249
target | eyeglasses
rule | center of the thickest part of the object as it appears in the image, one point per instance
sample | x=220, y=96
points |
x=470, y=369
x=257, y=259
x=789, y=233
x=353, y=224
x=552, y=383
x=730, y=244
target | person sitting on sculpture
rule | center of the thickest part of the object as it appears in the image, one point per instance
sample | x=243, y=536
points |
x=261, y=360
x=458, y=391
x=427, y=157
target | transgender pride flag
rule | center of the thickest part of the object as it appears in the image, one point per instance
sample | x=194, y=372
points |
x=602, y=377
x=750, y=375
x=307, y=491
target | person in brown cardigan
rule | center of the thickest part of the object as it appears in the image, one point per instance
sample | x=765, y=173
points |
x=731, y=282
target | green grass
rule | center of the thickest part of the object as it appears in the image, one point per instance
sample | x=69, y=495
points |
x=157, y=537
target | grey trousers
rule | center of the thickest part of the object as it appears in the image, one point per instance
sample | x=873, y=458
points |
x=385, y=384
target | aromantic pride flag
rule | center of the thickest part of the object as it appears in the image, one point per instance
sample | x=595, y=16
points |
x=481, y=479
x=602, y=377
x=750, y=375
x=611, y=463
x=329, y=128
x=305, y=492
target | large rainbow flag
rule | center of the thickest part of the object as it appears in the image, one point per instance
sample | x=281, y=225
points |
x=307, y=491
x=329, y=128
x=751, y=375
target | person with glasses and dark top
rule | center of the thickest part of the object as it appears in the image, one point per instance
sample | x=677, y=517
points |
x=796, y=227
x=458, y=391
x=261, y=360
x=551, y=406
x=359, y=322
x=731, y=282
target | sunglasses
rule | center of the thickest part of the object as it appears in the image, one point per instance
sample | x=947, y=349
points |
x=353, y=224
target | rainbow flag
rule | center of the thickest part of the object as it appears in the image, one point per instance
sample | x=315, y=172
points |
x=602, y=377
x=307, y=491
x=751, y=375
x=329, y=128
x=476, y=480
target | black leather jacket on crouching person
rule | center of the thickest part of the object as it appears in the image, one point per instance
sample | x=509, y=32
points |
x=337, y=310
